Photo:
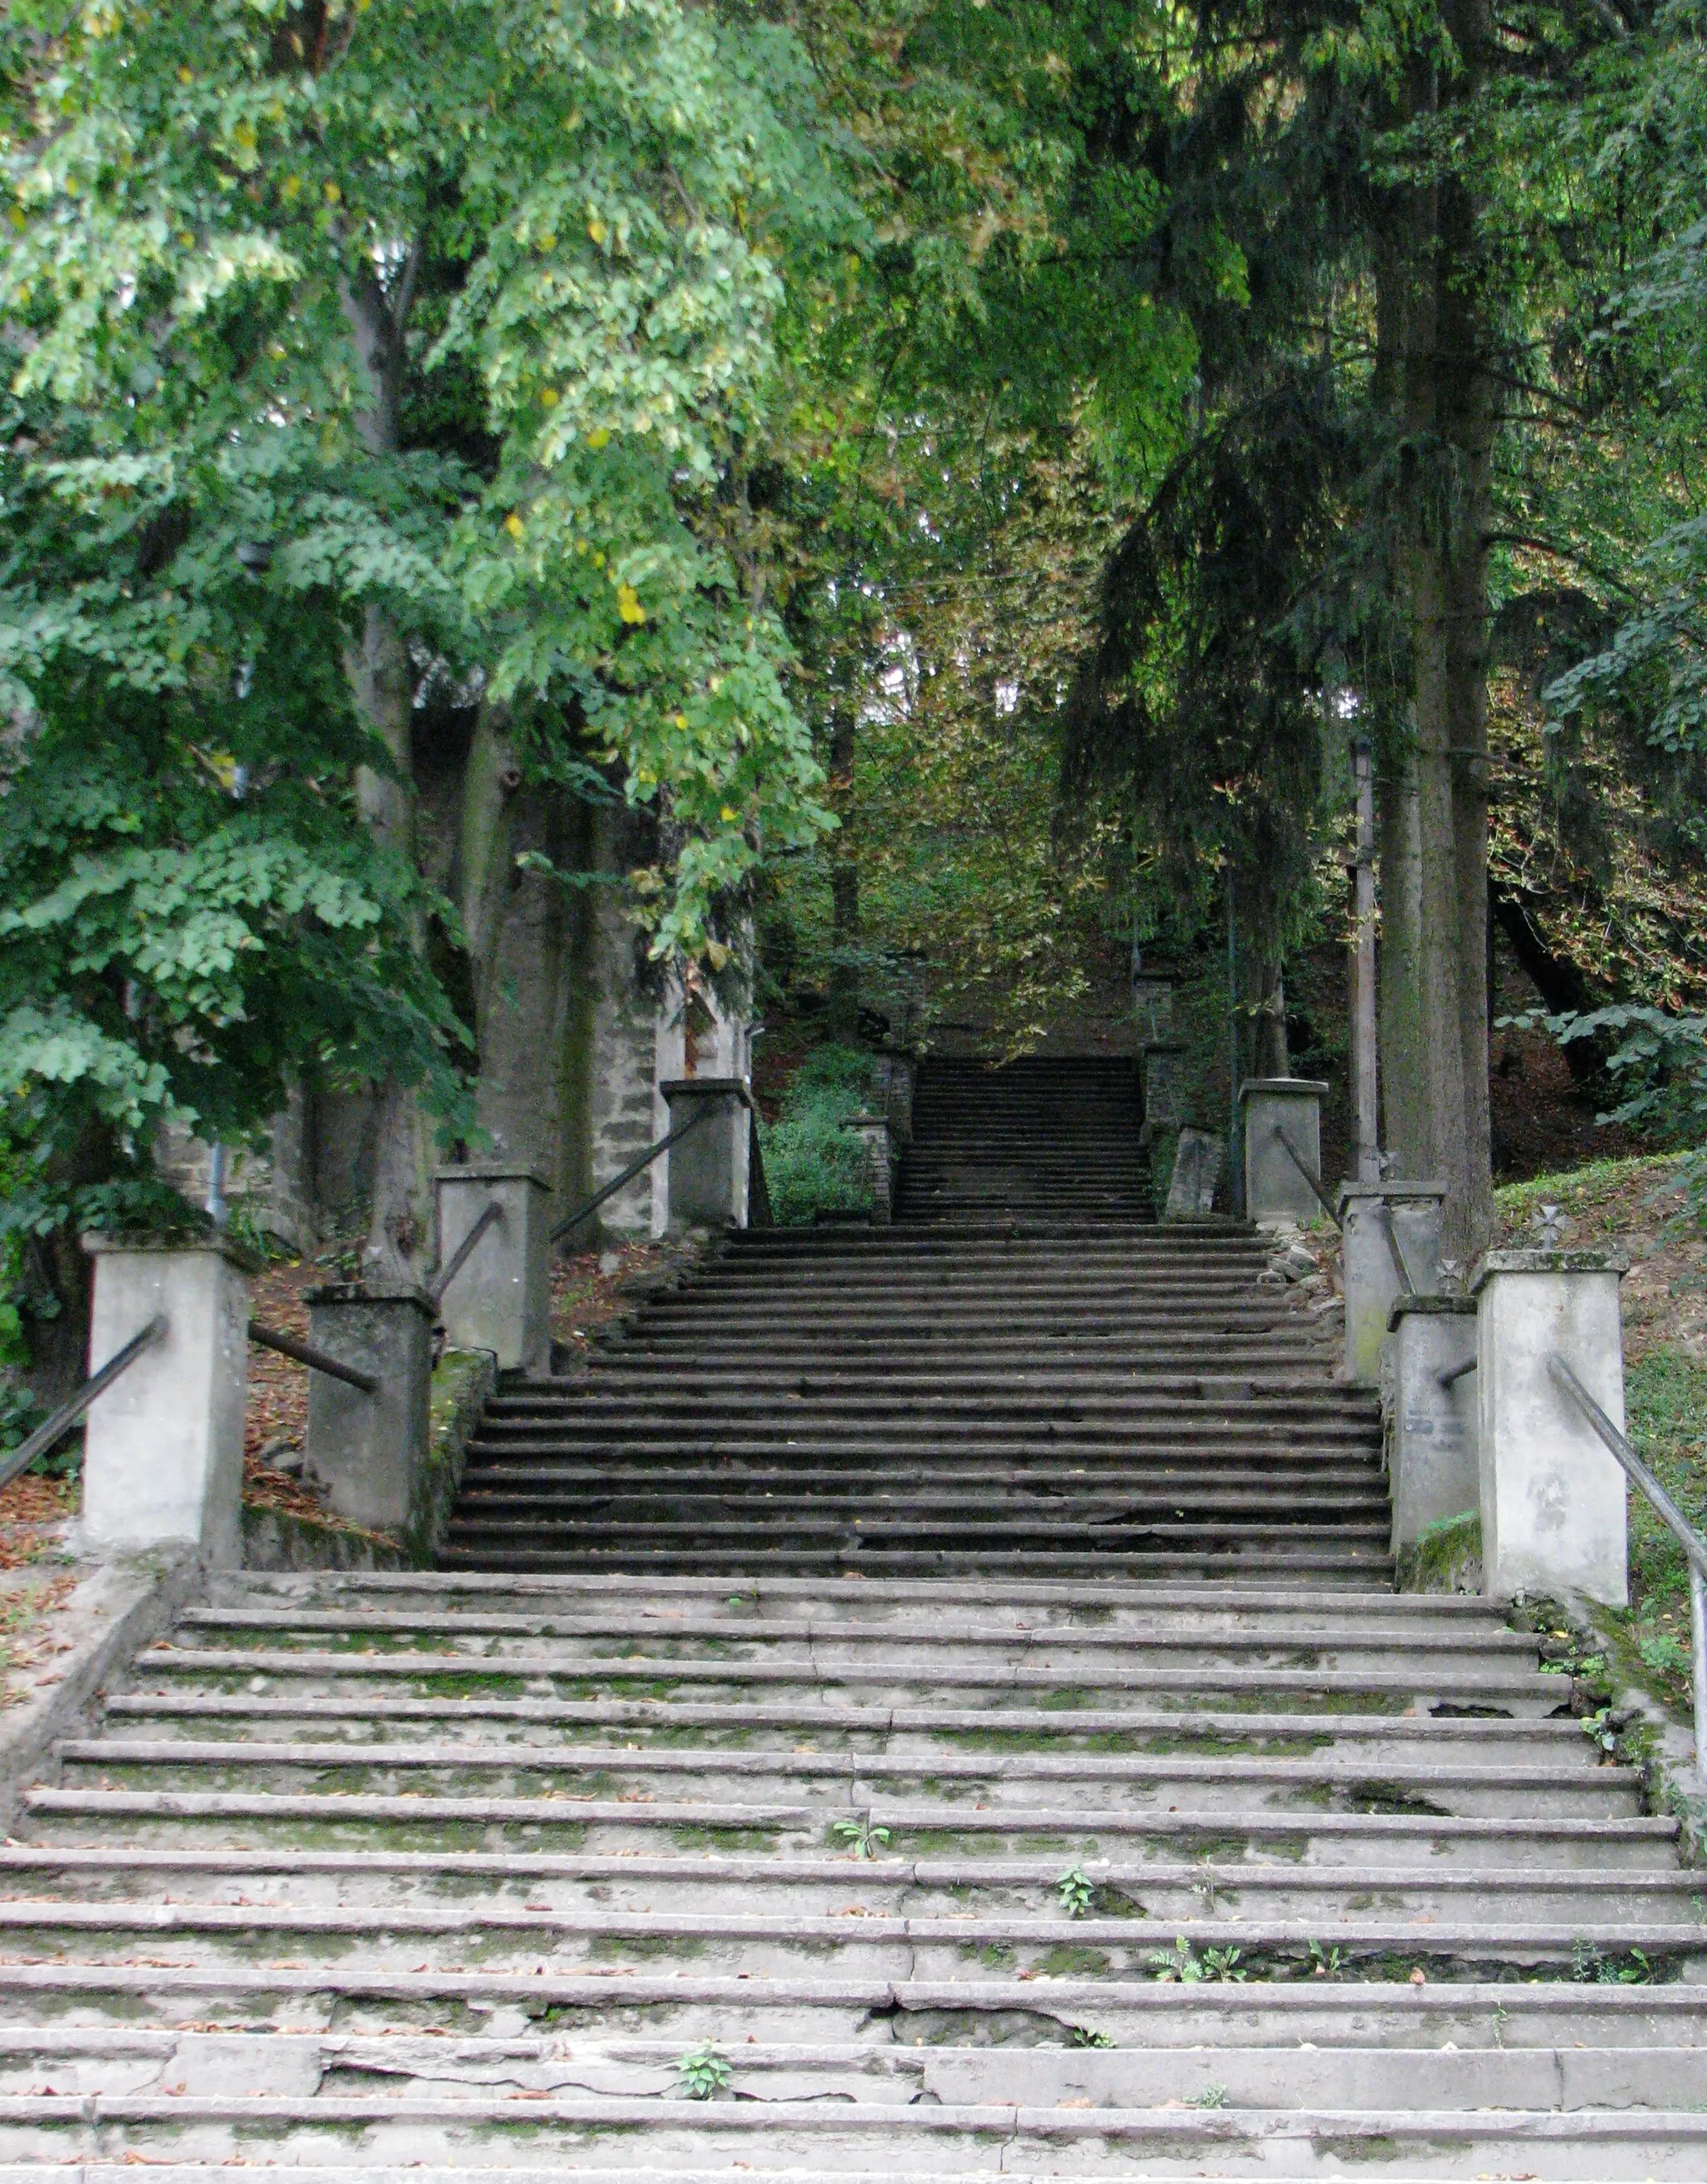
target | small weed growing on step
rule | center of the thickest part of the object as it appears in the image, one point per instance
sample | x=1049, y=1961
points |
x=1180, y=1962
x=1224, y=1964
x=1075, y=1890
x=1587, y=1962
x=1082, y=2036
x=1598, y=1729
x=864, y=1840
x=1326, y=1963
x=1211, y=2097
x=705, y=2072
x=1500, y=2014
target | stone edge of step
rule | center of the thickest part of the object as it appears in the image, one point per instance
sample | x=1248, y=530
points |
x=114, y=1610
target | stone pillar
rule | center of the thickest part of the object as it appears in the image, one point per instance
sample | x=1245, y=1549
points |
x=369, y=1452
x=1161, y=1078
x=501, y=1298
x=1431, y=1445
x=1370, y=1214
x=1277, y=1194
x=1198, y=1159
x=1152, y=1003
x=893, y=1074
x=1552, y=1494
x=873, y=1132
x=162, y=1450
x=708, y=1171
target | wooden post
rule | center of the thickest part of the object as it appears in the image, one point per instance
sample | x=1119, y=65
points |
x=1365, y=1085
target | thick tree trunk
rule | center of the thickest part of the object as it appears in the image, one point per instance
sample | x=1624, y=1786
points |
x=400, y=1232
x=1436, y=377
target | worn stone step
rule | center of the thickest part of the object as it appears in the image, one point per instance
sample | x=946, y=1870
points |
x=1124, y=1634
x=1500, y=1692
x=845, y=2135
x=1162, y=1889
x=907, y=1728
x=495, y=1465
x=429, y=1818
x=1087, y=1781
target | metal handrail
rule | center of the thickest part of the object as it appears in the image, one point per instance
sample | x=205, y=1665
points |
x=54, y=1429
x=700, y=1114
x=1384, y=1216
x=491, y=1211
x=1455, y=1373
x=1309, y=1173
x=1694, y=1545
x=304, y=1353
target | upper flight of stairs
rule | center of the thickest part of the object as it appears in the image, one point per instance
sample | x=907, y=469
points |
x=1038, y=1379
x=1051, y=1137
x=962, y=1690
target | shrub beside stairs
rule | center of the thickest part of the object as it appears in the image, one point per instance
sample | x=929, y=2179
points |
x=932, y=1704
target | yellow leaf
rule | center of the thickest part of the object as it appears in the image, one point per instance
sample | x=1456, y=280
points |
x=597, y=230
x=628, y=603
x=728, y=814
x=185, y=76
x=514, y=525
x=548, y=398
x=332, y=193
x=718, y=954
x=290, y=189
x=681, y=719
x=599, y=437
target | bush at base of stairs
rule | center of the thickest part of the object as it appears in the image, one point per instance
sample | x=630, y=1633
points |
x=812, y=1165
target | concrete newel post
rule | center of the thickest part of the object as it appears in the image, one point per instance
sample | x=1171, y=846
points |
x=1432, y=1447
x=162, y=1450
x=708, y=1171
x=1162, y=1082
x=499, y=1299
x=1278, y=1194
x=369, y=1451
x=1552, y=1494
x=1383, y=1226
x=874, y=1134
x=894, y=1076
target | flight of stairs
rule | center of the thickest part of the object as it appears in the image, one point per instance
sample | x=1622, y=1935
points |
x=920, y=1861
x=1049, y=1383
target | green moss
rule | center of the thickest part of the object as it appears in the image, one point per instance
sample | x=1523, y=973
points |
x=1445, y=1558
x=1065, y=1961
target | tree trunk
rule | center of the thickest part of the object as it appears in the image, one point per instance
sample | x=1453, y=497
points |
x=400, y=1232
x=1438, y=383
x=844, y=922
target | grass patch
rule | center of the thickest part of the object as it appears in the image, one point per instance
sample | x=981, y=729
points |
x=812, y=1164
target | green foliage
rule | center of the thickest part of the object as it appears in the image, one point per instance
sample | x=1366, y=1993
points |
x=1075, y=1889
x=862, y=1838
x=1082, y=2035
x=705, y=2071
x=812, y=1163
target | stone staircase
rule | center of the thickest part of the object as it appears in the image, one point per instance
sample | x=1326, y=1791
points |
x=915, y=1863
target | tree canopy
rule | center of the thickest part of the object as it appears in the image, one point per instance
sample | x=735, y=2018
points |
x=956, y=474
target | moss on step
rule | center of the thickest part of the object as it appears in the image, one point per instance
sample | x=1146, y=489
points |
x=1447, y=1556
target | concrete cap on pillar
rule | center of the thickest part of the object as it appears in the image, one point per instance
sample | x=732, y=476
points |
x=1353, y=1195
x=1522, y=1261
x=707, y=1088
x=489, y=1172
x=358, y=1293
x=1442, y=1301
x=98, y=1240
x=1297, y=1086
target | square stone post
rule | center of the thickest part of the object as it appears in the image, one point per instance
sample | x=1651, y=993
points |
x=1374, y=1218
x=1552, y=1494
x=162, y=1450
x=893, y=1074
x=1277, y=1193
x=708, y=1171
x=369, y=1452
x=500, y=1298
x=1431, y=1426
x=1162, y=1082
x=873, y=1132
x=1152, y=1003
x=1198, y=1158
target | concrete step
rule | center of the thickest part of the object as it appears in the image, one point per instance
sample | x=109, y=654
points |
x=1253, y=1889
